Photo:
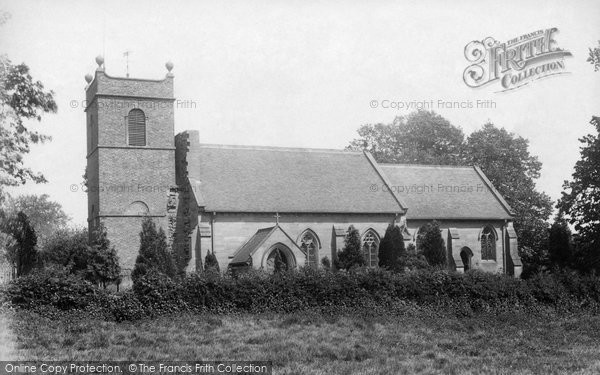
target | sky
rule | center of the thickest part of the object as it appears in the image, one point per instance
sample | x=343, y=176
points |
x=301, y=73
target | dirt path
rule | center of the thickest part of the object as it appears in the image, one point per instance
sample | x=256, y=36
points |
x=7, y=342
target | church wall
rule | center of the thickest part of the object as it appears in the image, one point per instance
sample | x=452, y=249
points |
x=124, y=234
x=231, y=231
x=129, y=175
x=469, y=232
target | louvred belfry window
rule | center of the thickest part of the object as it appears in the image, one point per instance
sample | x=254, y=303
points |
x=136, y=128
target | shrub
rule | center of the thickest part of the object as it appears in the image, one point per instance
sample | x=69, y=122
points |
x=413, y=259
x=98, y=263
x=211, y=263
x=52, y=287
x=326, y=263
x=351, y=255
x=154, y=255
x=256, y=291
x=431, y=244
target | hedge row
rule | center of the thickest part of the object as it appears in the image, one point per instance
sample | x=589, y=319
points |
x=308, y=289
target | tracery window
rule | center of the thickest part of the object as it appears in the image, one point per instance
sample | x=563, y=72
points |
x=370, y=245
x=488, y=244
x=310, y=244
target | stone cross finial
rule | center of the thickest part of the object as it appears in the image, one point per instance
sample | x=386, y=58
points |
x=276, y=216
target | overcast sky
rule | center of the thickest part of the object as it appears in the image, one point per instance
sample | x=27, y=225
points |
x=301, y=73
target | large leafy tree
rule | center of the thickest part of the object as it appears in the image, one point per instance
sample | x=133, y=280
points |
x=21, y=99
x=423, y=137
x=426, y=138
x=45, y=216
x=67, y=248
x=580, y=201
x=505, y=159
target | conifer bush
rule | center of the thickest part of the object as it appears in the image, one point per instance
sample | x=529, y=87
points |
x=211, y=263
x=431, y=244
x=154, y=255
x=351, y=255
x=391, y=249
x=23, y=254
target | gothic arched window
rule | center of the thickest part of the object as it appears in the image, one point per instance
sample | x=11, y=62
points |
x=488, y=244
x=136, y=128
x=370, y=245
x=310, y=244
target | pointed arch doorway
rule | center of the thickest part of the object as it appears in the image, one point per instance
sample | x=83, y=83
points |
x=285, y=254
x=466, y=255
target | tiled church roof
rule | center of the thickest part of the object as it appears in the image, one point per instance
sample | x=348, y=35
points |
x=274, y=179
x=243, y=254
x=446, y=192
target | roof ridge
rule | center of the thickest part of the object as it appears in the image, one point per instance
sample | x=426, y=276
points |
x=279, y=148
x=426, y=165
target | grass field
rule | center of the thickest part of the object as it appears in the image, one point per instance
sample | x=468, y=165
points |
x=412, y=341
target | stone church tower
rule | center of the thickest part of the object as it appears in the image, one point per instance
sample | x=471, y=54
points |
x=130, y=156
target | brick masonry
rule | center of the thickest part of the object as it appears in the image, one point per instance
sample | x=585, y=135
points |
x=125, y=183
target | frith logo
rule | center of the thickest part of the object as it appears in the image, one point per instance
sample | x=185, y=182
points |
x=515, y=63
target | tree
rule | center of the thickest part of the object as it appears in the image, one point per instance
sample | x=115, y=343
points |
x=426, y=138
x=351, y=255
x=67, y=248
x=21, y=98
x=45, y=216
x=431, y=244
x=505, y=159
x=211, y=263
x=391, y=248
x=580, y=200
x=154, y=255
x=594, y=57
x=559, y=243
x=23, y=254
x=423, y=137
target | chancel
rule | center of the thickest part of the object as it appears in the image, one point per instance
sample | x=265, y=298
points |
x=249, y=205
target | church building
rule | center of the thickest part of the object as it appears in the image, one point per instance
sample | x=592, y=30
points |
x=247, y=203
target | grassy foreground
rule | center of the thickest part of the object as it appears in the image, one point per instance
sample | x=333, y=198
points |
x=415, y=340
